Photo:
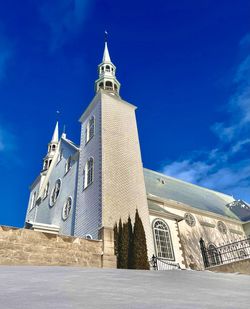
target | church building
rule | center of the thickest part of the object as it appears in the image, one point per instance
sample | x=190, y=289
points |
x=84, y=189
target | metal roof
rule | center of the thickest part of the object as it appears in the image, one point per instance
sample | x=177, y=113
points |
x=192, y=195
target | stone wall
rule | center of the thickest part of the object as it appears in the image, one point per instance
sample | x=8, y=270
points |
x=27, y=247
x=242, y=267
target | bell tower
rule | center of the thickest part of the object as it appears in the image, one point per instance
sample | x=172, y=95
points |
x=107, y=79
x=52, y=146
x=110, y=177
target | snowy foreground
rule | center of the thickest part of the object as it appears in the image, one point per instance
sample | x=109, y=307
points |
x=68, y=287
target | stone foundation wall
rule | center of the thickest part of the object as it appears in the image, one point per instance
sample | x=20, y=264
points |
x=27, y=247
x=242, y=267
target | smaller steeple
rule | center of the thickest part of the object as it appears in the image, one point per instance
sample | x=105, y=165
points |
x=55, y=134
x=106, y=69
x=52, y=146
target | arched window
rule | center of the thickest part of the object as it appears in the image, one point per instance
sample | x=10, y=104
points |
x=45, y=166
x=115, y=87
x=46, y=191
x=55, y=192
x=109, y=85
x=68, y=165
x=163, y=242
x=88, y=173
x=213, y=255
x=90, y=129
x=222, y=227
x=107, y=68
x=66, y=208
x=101, y=85
x=33, y=200
x=53, y=147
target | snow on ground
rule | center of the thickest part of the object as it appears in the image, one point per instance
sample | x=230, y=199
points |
x=24, y=287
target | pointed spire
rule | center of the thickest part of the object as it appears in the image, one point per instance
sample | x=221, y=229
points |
x=55, y=134
x=106, y=69
x=106, y=57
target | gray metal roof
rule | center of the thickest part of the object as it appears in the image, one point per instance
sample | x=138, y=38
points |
x=192, y=195
x=154, y=207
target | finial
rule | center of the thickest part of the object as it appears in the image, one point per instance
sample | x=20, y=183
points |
x=105, y=36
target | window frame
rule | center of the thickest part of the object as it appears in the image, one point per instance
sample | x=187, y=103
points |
x=64, y=206
x=89, y=127
x=68, y=165
x=33, y=200
x=86, y=171
x=188, y=216
x=52, y=203
x=46, y=191
x=170, y=244
x=222, y=228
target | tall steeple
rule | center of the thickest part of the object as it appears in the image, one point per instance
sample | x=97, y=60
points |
x=107, y=79
x=52, y=146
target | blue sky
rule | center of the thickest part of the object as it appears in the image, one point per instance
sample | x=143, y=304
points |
x=185, y=64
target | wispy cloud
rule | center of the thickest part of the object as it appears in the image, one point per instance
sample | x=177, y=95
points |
x=8, y=147
x=64, y=18
x=223, y=168
x=7, y=140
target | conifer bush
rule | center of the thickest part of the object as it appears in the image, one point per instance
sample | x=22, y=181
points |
x=130, y=244
x=140, y=256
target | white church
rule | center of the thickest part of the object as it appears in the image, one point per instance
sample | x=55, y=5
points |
x=83, y=189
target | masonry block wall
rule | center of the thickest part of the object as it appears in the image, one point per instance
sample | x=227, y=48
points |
x=27, y=247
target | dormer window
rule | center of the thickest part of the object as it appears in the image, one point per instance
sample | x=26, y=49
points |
x=90, y=129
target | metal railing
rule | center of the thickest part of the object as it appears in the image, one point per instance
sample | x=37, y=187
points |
x=232, y=252
x=157, y=263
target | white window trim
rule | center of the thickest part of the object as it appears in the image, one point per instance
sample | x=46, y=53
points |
x=85, y=174
x=46, y=191
x=51, y=204
x=68, y=165
x=170, y=238
x=64, y=205
x=88, y=138
x=33, y=200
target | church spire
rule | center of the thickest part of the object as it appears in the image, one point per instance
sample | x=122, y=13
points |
x=52, y=146
x=55, y=134
x=106, y=69
x=106, y=57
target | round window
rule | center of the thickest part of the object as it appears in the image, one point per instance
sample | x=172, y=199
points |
x=189, y=219
x=66, y=208
x=222, y=227
x=55, y=192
